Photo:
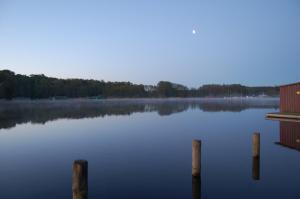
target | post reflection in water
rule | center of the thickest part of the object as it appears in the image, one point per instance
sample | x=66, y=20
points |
x=255, y=168
x=196, y=187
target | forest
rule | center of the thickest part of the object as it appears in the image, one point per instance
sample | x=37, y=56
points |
x=42, y=87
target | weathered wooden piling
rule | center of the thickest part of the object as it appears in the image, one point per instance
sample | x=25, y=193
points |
x=256, y=145
x=80, y=179
x=256, y=156
x=196, y=158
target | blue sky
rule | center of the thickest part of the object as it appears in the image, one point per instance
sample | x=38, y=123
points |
x=253, y=42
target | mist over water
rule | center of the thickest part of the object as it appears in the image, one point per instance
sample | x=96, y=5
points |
x=42, y=111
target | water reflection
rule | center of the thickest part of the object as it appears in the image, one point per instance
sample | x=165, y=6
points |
x=289, y=134
x=18, y=112
x=196, y=187
x=131, y=153
x=256, y=168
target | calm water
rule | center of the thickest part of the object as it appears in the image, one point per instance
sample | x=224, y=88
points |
x=142, y=149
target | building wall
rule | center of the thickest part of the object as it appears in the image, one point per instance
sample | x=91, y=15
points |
x=290, y=98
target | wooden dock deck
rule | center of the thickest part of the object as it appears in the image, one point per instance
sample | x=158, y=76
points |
x=284, y=116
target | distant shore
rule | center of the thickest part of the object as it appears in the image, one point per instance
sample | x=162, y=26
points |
x=14, y=86
x=24, y=100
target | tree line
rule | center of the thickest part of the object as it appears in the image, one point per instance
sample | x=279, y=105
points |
x=41, y=87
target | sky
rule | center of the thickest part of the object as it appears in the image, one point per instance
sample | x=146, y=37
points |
x=191, y=42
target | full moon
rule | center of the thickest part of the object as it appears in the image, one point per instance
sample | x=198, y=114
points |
x=194, y=31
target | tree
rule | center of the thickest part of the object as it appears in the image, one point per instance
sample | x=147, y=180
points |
x=7, y=84
x=165, y=89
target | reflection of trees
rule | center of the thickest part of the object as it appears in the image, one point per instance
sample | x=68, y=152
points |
x=236, y=106
x=13, y=113
x=170, y=108
x=41, y=113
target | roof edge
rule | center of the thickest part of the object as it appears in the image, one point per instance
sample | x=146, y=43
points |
x=292, y=84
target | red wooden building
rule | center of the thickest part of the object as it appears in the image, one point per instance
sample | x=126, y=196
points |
x=290, y=98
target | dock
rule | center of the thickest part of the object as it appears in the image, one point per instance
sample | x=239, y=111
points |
x=284, y=116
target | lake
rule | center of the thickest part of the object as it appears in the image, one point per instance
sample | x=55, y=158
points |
x=143, y=148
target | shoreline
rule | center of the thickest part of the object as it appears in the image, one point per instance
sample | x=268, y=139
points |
x=142, y=99
x=132, y=101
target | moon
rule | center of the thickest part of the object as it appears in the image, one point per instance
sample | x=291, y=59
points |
x=194, y=32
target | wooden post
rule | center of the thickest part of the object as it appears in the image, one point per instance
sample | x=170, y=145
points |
x=80, y=179
x=256, y=145
x=256, y=156
x=196, y=158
